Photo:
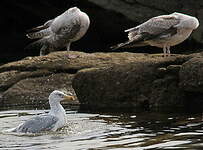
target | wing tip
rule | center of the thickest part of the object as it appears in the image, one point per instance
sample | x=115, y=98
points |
x=114, y=47
x=127, y=30
x=28, y=36
x=131, y=29
x=121, y=45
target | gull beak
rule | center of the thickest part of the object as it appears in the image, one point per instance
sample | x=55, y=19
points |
x=69, y=98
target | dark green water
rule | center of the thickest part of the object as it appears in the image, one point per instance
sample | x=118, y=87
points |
x=84, y=131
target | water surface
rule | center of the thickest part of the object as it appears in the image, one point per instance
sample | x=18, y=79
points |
x=85, y=131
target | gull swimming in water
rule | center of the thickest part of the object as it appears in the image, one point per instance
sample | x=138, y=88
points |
x=161, y=31
x=60, y=32
x=55, y=119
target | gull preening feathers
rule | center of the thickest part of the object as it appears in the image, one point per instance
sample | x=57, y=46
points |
x=161, y=31
x=55, y=119
x=61, y=31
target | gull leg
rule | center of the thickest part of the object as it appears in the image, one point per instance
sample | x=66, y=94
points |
x=68, y=49
x=168, y=51
x=44, y=50
x=164, y=50
x=68, y=46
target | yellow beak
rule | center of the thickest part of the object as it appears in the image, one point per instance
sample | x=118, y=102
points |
x=69, y=98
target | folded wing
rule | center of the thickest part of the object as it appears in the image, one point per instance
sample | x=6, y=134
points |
x=40, y=31
x=157, y=27
x=38, y=124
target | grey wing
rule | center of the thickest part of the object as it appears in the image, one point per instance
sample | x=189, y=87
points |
x=40, y=31
x=38, y=124
x=155, y=27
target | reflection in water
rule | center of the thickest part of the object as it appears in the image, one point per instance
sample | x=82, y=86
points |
x=107, y=131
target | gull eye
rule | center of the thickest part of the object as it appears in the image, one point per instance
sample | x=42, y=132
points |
x=60, y=95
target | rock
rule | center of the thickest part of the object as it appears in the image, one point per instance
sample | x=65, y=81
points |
x=30, y=80
x=191, y=75
x=9, y=78
x=130, y=85
x=166, y=93
x=173, y=69
x=124, y=81
x=35, y=90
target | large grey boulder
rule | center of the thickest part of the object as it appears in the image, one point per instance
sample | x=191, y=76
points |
x=124, y=81
x=149, y=82
x=191, y=75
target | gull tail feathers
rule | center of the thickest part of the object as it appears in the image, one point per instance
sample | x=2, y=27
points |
x=36, y=45
x=10, y=130
x=120, y=45
x=128, y=44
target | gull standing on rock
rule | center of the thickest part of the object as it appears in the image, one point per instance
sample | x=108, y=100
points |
x=60, y=32
x=52, y=121
x=161, y=31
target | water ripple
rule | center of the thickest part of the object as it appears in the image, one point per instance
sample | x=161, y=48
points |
x=139, y=131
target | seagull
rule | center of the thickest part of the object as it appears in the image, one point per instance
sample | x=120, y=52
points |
x=59, y=32
x=162, y=31
x=55, y=119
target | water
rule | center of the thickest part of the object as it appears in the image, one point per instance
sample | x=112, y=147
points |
x=84, y=131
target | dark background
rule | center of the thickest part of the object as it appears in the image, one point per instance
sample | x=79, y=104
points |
x=106, y=28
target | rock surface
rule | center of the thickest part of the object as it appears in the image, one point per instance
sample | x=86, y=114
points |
x=124, y=81
x=191, y=75
x=146, y=82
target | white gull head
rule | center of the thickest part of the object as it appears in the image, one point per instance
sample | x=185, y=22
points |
x=58, y=96
x=73, y=10
x=186, y=21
